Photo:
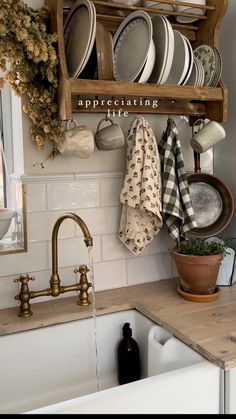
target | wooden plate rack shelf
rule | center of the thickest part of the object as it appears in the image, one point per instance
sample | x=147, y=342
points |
x=175, y=100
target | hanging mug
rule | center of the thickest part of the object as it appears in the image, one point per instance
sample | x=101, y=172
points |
x=208, y=136
x=110, y=137
x=78, y=141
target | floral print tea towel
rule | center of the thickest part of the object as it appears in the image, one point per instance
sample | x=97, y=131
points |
x=141, y=194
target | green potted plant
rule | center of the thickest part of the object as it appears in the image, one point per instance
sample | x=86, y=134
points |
x=198, y=263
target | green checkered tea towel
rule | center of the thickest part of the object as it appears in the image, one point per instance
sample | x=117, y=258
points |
x=177, y=210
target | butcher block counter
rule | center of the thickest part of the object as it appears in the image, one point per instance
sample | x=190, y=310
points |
x=207, y=327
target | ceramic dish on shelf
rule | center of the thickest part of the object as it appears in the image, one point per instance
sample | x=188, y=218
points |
x=121, y=12
x=158, y=6
x=148, y=66
x=192, y=11
x=131, y=44
x=190, y=67
x=193, y=78
x=79, y=36
x=218, y=71
x=201, y=73
x=205, y=53
x=181, y=60
x=104, y=53
x=163, y=38
x=90, y=71
x=185, y=8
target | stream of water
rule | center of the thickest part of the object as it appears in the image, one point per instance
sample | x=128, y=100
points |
x=91, y=268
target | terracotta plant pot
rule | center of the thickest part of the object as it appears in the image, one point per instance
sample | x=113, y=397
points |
x=198, y=274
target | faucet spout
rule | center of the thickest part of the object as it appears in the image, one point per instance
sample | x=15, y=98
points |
x=25, y=295
x=55, y=280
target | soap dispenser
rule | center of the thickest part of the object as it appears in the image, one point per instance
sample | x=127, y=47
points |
x=128, y=357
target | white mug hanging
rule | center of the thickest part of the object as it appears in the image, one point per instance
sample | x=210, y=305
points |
x=78, y=141
x=208, y=136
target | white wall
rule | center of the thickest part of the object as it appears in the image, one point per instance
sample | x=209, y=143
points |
x=90, y=188
x=225, y=152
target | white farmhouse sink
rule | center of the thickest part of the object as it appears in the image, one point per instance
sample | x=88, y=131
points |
x=53, y=370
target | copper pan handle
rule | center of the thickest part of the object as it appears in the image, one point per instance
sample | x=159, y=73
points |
x=197, y=166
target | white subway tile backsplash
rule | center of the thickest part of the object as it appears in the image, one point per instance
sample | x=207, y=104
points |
x=36, y=197
x=162, y=243
x=100, y=220
x=110, y=192
x=109, y=275
x=113, y=249
x=40, y=226
x=73, y=195
x=8, y=290
x=67, y=277
x=149, y=269
x=74, y=252
x=35, y=259
x=96, y=200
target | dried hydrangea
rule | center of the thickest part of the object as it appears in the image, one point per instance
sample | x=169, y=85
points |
x=29, y=62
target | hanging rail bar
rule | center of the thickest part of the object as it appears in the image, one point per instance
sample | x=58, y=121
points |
x=176, y=3
x=145, y=9
x=127, y=7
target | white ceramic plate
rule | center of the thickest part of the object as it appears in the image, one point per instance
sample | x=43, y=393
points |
x=163, y=38
x=192, y=80
x=131, y=44
x=92, y=41
x=170, y=53
x=79, y=36
x=190, y=50
x=181, y=60
x=148, y=66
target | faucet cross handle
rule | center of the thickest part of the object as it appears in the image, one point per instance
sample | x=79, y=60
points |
x=24, y=279
x=83, y=269
x=24, y=295
x=84, y=285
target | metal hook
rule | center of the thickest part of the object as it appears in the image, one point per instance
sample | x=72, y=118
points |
x=169, y=117
x=198, y=122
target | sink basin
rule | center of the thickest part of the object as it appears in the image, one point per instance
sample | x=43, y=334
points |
x=6, y=215
x=53, y=370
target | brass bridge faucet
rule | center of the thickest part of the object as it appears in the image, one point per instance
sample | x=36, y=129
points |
x=56, y=289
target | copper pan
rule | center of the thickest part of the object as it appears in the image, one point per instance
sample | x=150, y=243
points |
x=212, y=201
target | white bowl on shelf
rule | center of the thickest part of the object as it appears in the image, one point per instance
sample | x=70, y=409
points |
x=146, y=71
x=6, y=215
x=158, y=6
x=192, y=10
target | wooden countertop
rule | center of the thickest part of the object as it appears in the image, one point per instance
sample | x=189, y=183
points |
x=209, y=328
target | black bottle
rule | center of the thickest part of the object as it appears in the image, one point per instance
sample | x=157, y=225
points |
x=129, y=368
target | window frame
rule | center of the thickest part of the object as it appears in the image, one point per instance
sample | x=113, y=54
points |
x=7, y=139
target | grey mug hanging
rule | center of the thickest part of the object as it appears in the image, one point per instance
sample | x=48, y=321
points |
x=109, y=137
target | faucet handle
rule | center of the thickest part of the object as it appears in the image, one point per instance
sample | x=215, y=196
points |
x=24, y=279
x=83, y=269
